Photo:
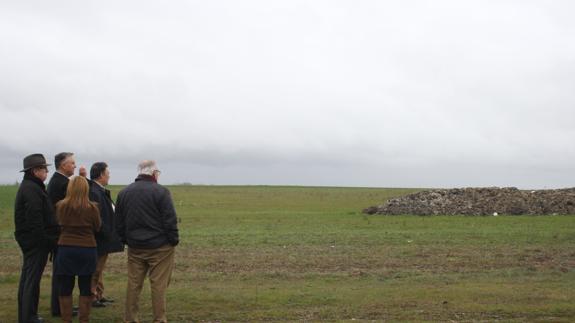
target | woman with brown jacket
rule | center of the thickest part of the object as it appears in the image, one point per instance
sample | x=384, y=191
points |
x=79, y=219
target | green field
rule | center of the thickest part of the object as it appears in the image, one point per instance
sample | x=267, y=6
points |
x=261, y=253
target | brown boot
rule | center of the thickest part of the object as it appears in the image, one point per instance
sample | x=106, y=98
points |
x=66, y=308
x=85, y=307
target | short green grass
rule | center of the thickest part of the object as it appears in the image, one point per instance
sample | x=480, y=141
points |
x=265, y=253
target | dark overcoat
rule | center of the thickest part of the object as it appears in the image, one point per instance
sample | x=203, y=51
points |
x=34, y=219
x=107, y=239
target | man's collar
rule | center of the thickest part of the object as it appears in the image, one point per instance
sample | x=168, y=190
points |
x=35, y=180
x=102, y=186
x=59, y=172
x=147, y=178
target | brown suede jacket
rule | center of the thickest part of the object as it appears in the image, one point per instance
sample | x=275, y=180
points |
x=78, y=227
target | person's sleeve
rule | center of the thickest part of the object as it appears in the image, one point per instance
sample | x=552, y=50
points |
x=98, y=198
x=97, y=220
x=93, y=196
x=98, y=230
x=120, y=220
x=170, y=220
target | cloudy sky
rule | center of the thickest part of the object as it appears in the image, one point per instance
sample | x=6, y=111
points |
x=347, y=93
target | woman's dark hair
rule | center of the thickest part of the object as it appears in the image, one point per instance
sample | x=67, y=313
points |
x=97, y=170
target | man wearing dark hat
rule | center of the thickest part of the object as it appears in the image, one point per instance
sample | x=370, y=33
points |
x=36, y=231
x=65, y=164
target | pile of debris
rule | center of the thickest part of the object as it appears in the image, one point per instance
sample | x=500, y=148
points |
x=480, y=201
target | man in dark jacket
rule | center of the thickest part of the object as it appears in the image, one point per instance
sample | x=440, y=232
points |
x=107, y=239
x=65, y=164
x=36, y=232
x=147, y=223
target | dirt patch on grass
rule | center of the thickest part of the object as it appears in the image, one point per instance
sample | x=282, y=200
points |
x=357, y=262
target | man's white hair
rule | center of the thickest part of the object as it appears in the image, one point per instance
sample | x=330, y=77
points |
x=147, y=167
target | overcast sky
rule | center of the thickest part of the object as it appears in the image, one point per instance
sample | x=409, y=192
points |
x=347, y=93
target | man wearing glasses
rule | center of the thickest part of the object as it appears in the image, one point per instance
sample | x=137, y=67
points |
x=147, y=223
x=36, y=232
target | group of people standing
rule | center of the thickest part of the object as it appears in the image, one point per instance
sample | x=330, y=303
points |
x=75, y=222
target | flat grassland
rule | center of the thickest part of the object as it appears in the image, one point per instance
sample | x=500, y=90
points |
x=265, y=253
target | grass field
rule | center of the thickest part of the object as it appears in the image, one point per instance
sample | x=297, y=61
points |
x=261, y=253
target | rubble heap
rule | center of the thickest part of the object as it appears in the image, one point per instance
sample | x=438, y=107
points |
x=480, y=201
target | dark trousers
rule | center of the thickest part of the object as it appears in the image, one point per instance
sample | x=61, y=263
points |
x=29, y=287
x=54, y=300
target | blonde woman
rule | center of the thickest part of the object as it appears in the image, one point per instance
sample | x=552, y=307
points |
x=79, y=219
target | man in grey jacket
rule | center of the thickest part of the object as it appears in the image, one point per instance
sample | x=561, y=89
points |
x=147, y=223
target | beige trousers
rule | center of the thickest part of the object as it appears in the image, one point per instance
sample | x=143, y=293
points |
x=158, y=264
x=98, y=278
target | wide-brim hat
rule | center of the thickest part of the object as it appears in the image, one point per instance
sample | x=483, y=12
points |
x=34, y=160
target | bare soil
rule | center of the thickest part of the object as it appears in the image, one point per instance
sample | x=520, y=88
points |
x=480, y=201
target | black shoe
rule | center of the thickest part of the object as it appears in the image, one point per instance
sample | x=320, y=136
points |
x=38, y=320
x=98, y=304
x=107, y=300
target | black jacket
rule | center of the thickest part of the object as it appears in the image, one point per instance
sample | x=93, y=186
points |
x=146, y=215
x=57, y=187
x=107, y=239
x=34, y=219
